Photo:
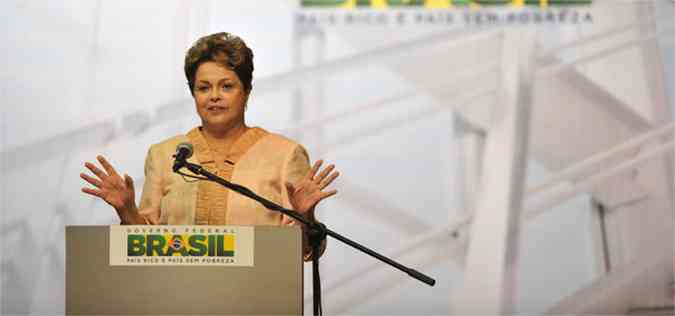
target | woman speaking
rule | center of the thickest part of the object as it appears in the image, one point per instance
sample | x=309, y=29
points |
x=219, y=71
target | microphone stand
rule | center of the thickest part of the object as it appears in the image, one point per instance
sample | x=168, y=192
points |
x=317, y=232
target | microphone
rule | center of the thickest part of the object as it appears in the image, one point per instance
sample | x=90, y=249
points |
x=183, y=152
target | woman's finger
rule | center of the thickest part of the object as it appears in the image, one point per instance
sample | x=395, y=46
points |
x=106, y=165
x=325, y=182
x=129, y=183
x=326, y=194
x=91, y=180
x=325, y=172
x=93, y=192
x=312, y=172
x=290, y=188
x=95, y=170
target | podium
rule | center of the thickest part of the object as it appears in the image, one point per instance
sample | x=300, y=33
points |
x=272, y=286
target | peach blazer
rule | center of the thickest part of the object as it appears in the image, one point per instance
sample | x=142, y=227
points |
x=259, y=160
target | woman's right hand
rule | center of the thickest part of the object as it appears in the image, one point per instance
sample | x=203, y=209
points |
x=110, y=187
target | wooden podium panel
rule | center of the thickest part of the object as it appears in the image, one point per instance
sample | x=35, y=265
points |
x=273, y=286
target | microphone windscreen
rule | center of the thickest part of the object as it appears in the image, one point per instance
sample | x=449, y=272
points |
x=186, y=146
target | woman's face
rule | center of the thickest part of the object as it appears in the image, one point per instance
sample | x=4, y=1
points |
x=219, y=96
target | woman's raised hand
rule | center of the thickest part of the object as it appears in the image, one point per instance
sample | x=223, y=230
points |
x=305, y=195
x=110, y=187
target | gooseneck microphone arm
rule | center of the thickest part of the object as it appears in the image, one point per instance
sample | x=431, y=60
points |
x=316, y=231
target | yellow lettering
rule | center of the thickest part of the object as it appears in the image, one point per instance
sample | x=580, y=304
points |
x=518, y=3
x=349, y=4
x=437, y=4
x=378, y=4
x=229, y=243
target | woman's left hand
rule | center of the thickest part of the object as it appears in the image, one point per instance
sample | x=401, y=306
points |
x=305, y=195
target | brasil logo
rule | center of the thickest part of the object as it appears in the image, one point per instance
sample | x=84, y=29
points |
x=436, y=4
x=186, y=245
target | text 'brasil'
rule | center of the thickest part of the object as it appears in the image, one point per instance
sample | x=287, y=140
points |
x=196, y=245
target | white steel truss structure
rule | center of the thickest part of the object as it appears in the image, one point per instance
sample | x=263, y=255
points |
x=628, y=169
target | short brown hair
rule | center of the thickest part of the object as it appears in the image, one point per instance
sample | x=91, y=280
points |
x=223, y=48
